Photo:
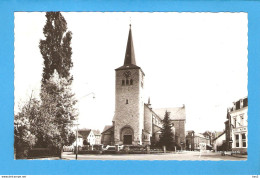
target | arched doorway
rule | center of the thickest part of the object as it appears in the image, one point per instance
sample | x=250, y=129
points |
x=127, y=135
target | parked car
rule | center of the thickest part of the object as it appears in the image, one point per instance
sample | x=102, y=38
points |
x=110, y=147
x=224, y=153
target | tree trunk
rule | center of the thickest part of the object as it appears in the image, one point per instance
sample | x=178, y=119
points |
x=61, y=151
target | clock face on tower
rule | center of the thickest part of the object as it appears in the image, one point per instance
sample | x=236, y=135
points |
x=127, y=74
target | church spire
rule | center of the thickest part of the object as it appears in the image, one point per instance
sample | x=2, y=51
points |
x=130, y=54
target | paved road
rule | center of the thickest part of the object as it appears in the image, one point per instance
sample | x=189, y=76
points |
x=186, y=155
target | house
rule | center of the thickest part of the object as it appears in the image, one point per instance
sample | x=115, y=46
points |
x=97, y=137
x=201, y=142
x=190, y=134
x=219, y=143
x=88, y=136
x=78, y=141
x=238, y=117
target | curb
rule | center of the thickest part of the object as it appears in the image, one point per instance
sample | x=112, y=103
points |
x=239, y=156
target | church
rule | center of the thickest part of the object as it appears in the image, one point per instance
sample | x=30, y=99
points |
x=136, y=122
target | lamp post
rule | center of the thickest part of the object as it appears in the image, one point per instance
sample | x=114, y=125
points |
x=77, y=140
x=92, y=93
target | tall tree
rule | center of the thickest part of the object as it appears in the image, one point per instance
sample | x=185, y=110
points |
x=55, y=48
x=57, y=99
x=58, y=112
x=167, y=136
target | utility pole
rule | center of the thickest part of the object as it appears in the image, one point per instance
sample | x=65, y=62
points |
x=92, y=93
x=77, y=142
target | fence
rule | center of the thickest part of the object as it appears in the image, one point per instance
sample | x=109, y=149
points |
x=124, y=149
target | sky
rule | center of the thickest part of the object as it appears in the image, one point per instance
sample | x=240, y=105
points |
x=196, y=59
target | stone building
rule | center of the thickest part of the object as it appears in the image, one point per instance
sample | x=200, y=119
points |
x=135, y=122
x=238, y=125
x=190, y=134
x=228, y=134
x=201, y=142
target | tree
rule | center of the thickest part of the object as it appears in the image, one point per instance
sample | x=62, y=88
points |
x=58, y=112
x=24, y=138
x=48, y=122
x=167, y=136
x=55, y=48
x=57, y=99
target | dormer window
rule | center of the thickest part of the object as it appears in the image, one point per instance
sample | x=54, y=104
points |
x=241, y=103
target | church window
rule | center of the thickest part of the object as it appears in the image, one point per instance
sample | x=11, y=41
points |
x=123, y=82
x=131, y=82
x=127, y=82
x=126, y=102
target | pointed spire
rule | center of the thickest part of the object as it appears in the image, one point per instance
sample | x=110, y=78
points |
x=130, y=54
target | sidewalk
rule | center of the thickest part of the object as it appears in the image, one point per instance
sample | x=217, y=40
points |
x=44, y=158
x=239, y=156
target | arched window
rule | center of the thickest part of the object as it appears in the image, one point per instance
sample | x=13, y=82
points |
x=123, y=82
x=131, y=82
x=126, y=101
x=127, y=82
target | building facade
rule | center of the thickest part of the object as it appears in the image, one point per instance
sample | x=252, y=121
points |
x=97, y=137
x=135, y=122
x=228, y=133
x=190, y=134
x=219, y=143
x=200, y=142
x=88, y=137
x=238, y=116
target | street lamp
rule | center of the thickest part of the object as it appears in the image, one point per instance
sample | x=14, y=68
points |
x=92, y=93
x=77, y=140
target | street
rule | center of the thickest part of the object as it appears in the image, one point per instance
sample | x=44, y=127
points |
x=185, y=155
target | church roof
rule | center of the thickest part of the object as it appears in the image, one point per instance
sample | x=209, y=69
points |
x=129, y=62
x=107, y=127
x=176, y=113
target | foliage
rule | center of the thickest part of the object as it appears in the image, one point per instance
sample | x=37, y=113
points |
x=167, y=136
x=57, y=99
x=24, y=138
x=48, y=123
x=55, y=48
x=58, y=112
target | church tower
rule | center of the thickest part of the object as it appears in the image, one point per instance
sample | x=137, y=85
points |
x=129, y=106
